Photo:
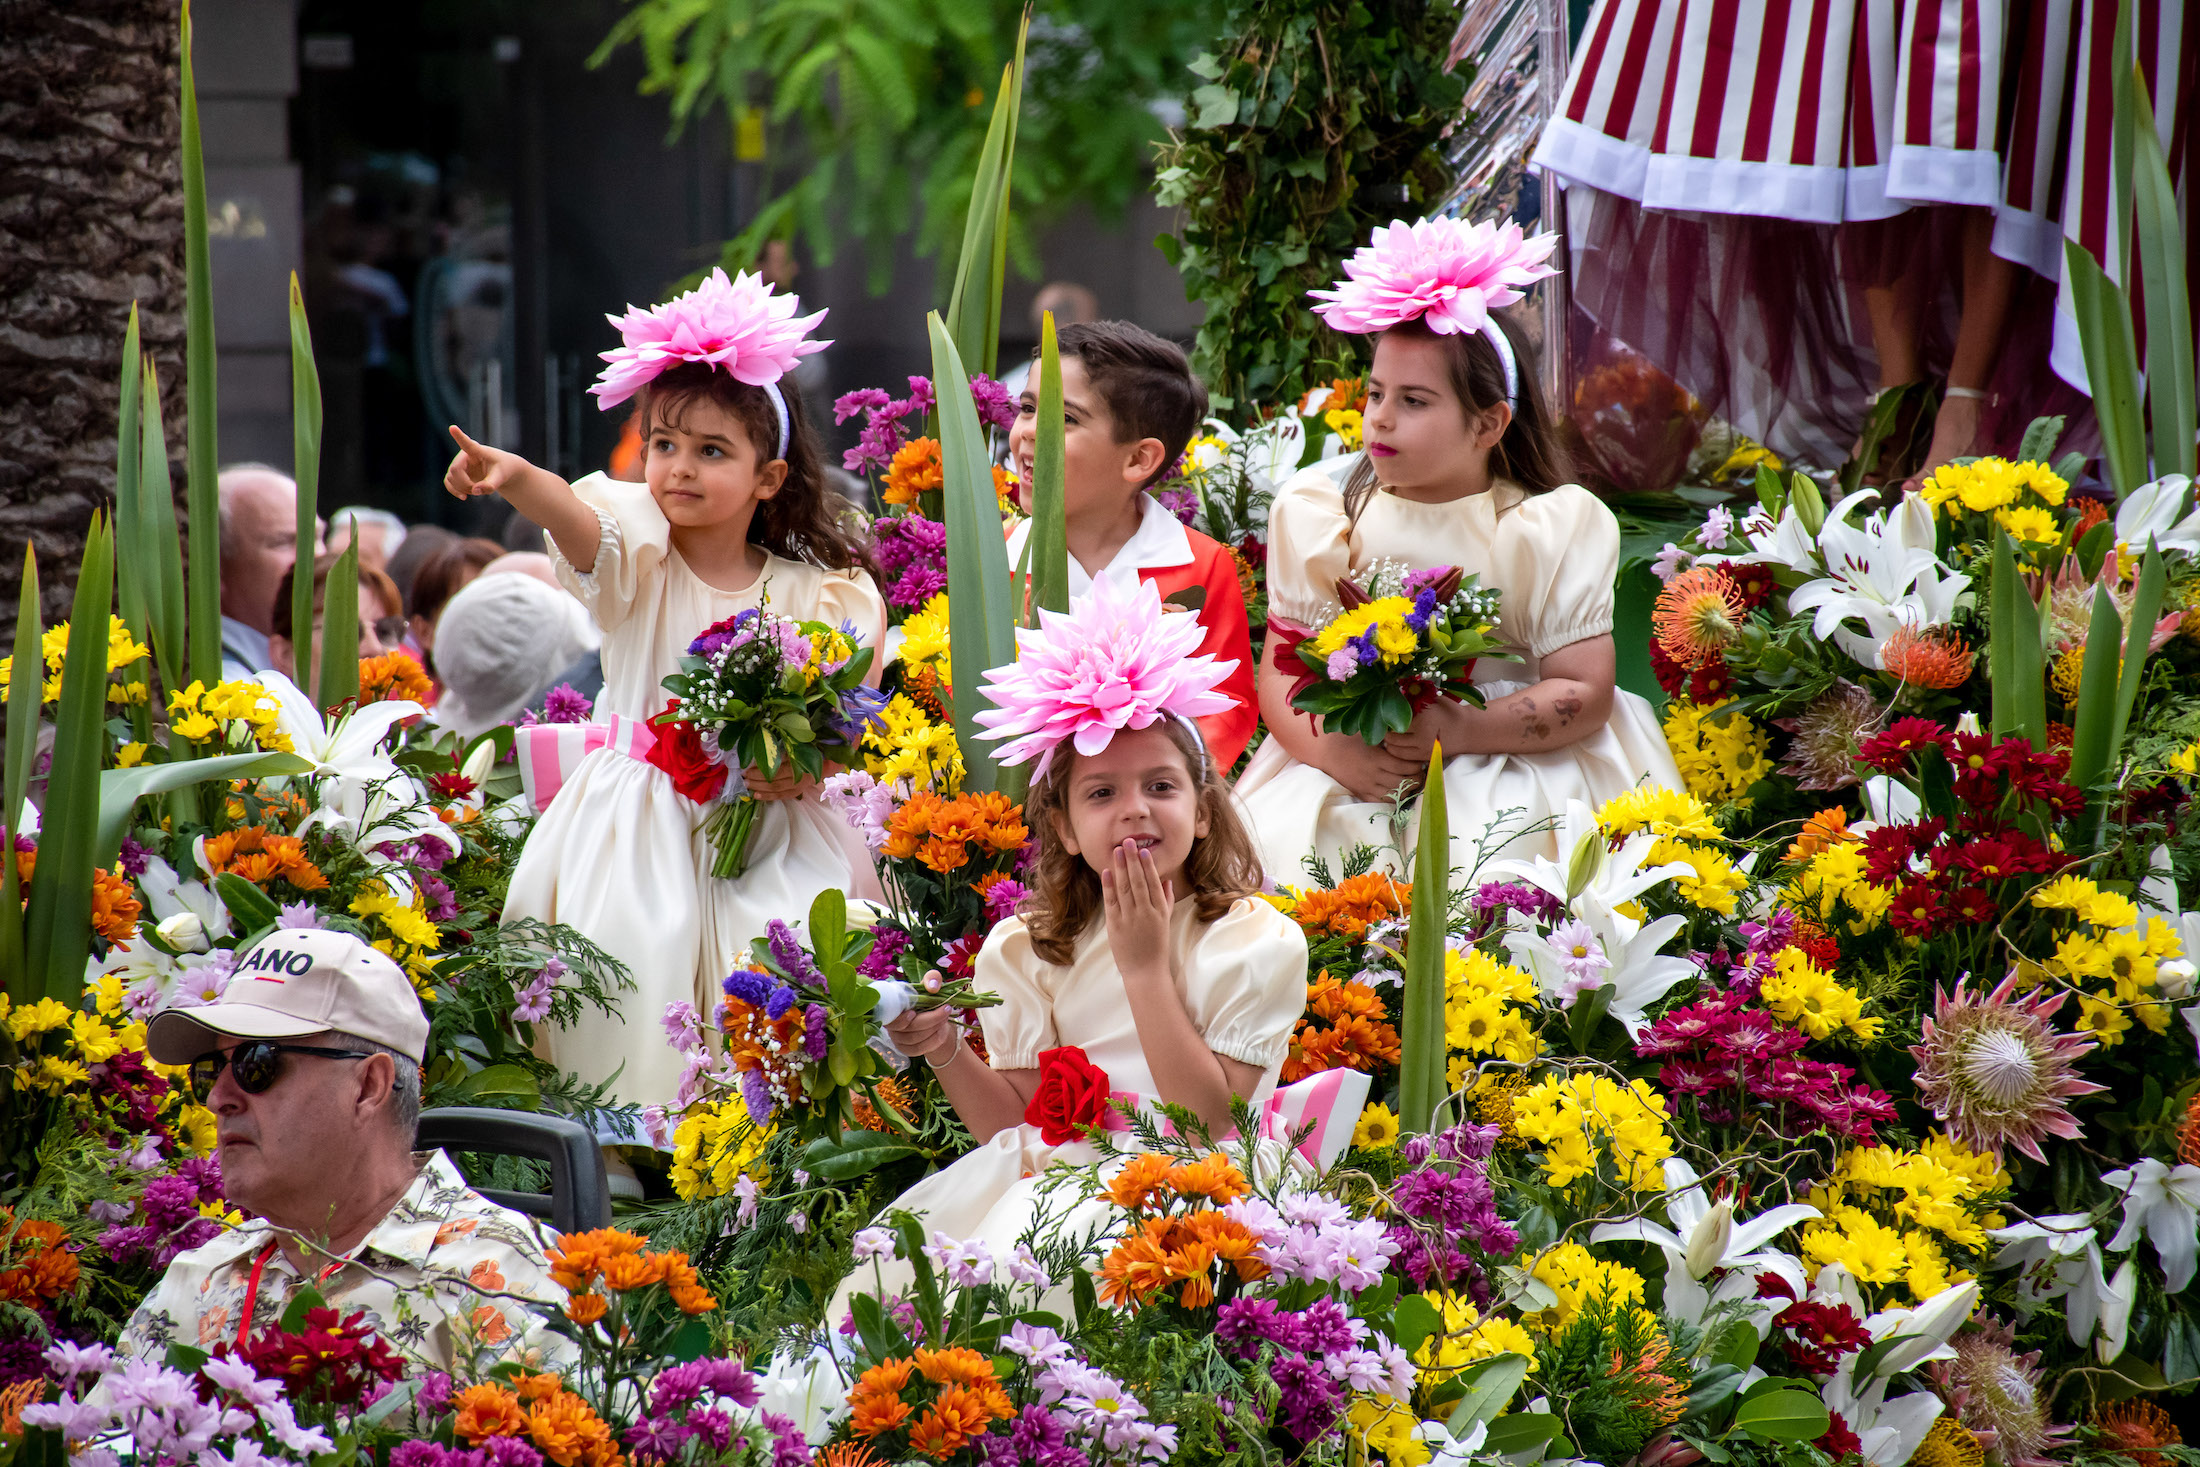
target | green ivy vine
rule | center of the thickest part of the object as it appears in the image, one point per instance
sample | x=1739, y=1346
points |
x=1317, y=121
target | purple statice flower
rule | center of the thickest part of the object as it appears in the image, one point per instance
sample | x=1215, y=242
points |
x=1310, y=1400
x=566, y=704
x=299, y=916
x=134, y=857
x=1003, y=897
x=996, y=409
x=720, y=636
x=1425, y=606
x=749, y=986
x=756, y=1094
x=816, y=1036
x=531, y=1005
x=786, y=950
x=782, y=999
x=888, y=943
x=509, y=1451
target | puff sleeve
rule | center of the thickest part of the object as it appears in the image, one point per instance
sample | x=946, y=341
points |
x=1560, y=555
x=1245, y=983
x=1022, y=1023
x=636, y=538
x=1309, y=547
x=851, y=596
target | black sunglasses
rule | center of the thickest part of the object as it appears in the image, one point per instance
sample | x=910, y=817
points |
x=257, y=1064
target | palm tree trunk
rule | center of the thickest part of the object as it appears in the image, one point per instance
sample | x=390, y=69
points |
x=91, y=218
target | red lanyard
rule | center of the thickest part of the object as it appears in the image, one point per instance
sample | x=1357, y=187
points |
x=252, y=1289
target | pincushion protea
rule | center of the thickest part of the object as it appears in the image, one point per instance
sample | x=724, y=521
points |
x=1994, y=1071
x=1697, y=617
x=1997, y=1395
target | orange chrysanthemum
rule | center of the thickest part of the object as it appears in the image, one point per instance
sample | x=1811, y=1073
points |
x=1004, y=491
x=876, y=1415
x=887, y=1378
x=1697, y=616
x=259, y=856
x=1142, y=1183
x=571, y=1434
x=1351, y=1043
x=846, y=1454
x=915, y=470
x=586, y=1309
x=485, y=1411
x=1822, y=832
x=1346, y=395
x=1139, y=1267
x=633, y=1271
x=392, y=677
x=115, y=908
x=1931, y=657
x=1328, y=999
x=1231, y=1241
x=42, y=1269
x=577, y=1258
x=2139, y=1429
x=953, y=1366
x=1213, y=1178
x=1349, y=908
x=537, y=1387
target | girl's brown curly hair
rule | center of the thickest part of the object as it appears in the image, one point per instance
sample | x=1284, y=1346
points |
x=807, y=519
x=1065, y=892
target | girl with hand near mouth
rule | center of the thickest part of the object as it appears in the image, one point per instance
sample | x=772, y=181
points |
x=735, y=510
x=1460, y=469
x=1143, y=965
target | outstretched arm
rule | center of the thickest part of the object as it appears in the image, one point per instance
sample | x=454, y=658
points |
x=988, y=1100
x=1573, y=701
x=536, y=493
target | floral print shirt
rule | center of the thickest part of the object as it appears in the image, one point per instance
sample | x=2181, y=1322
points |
x=429, y=1278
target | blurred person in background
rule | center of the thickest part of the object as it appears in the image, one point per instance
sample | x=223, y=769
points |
x=1072, y=305
x=380, y=534
x=259, y=530
x=381, y=617
x=503, y=642
x=438, y=579
x=422, y=543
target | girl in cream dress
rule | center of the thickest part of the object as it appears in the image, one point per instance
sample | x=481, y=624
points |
x=735, y=513
x=1459, y=469
x=1143, y=952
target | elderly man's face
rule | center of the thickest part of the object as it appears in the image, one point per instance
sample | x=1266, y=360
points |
x=286, y=1151
x=261, y=545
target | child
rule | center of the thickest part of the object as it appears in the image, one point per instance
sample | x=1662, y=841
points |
x=1130, y=404
x=734, y=508
x=1142, y=946
x=1459, y=469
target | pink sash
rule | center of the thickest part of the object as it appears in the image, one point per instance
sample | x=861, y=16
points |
x=548, y=753
x=1330, y=1101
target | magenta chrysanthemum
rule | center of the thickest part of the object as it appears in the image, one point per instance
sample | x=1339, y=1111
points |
x=740, y=326
x=1447, y=271
x=1994, y=1071
x=1117, y=662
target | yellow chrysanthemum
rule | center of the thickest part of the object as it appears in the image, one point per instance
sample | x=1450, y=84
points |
x=1719, y=758
x=1579, y=1278
x=1579, y=1118
x=2065, y=894
x=2029, y=525
x=1377, y=1129
x=1385, y=616
x=1801, y=993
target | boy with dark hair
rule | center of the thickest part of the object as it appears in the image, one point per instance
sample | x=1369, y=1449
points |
x=1130, y=404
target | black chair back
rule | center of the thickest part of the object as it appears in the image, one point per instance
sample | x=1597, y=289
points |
x=579, y=1196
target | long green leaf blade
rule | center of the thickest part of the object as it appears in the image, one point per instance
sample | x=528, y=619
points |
x=339, y=626
x=966, y=306
x=26, y=689
x=1048, y=544
x=305, y=457
x=157, y=506
x=2001, y=636
x=981, y=609
x=997, y=273
x=134, y=592
x=121, y=789
x=2111, y=366
x=2028, y=673
x=2097, y=683
x=2170, y=386
x=1421, y=1085
x=2146, y=605
x=201, y=458
x=58, y=920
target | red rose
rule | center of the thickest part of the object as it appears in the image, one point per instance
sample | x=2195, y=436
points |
x=1072, y=1094
x=679, y=753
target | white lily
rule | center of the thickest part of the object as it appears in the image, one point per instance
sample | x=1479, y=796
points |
x=1883, y=573
x=812, y=1391
x=2157, y=897
x=348, y=749
x=168, y=895
x=1639, y=975
x=1928, y=1325
x=1888, y=1432
x=1705, y=1237
x=1891, y=1431
x=1777, y=542
x=1615, y=878
x=390, y=811
x=2163, y=1202
x=2154, y=510
x=2048, y=1252
x=1890, y=802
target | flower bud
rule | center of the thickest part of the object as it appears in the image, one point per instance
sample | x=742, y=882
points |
x=1586, y=864
x=2174, y=978
x=183, y=932
x=1708, y=1243
x=1967, y=723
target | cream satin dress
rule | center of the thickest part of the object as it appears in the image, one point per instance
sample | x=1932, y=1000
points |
x=1553, y=557
x=1243, y=981
x=620, y=854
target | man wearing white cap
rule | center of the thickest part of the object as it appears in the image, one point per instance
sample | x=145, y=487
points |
x=311, y=1065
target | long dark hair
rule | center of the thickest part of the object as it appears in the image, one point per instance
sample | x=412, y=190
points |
x=1065, y=891
x=1528, y=454
x=807, y=519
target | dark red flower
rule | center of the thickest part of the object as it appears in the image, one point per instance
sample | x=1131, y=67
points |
x=1822, y=1334
x=1889, y=751
x=1918, y=908
x=1752, y=582
x=1973, y=906
x=1889, y=850
x=1839, y=1442
x=1072, y=1095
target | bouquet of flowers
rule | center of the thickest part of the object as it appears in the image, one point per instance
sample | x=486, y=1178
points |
x=1401, y=642
x=765, y=691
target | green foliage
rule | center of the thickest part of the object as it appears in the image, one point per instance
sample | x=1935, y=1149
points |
x=982, y=613
x=1317, y=121
x=1613, y=1378
x=867, y=97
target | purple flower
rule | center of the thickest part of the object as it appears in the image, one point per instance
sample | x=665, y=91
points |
x=1002, y=898
x=816, y=1036
x=652, y=1439
x=712, y=1425
x=566, y=704
x=1309, y=1401
x=748, y=986
x=918, y=584
x=1669, y=562
x=434, y=1395
x=996, y=409
x=1495, y=897
x=1246, y=1322
x=1324, y=1327
x=782, y=999
x=1179, y=500
x=1342, y=665
x=789, y=1447
x=134, y=857
x=756, y=1094
x=786, y=950
x=683, y=1026
x=442, y=904
x=532, y=1004
x=510, y=1451
x=298, y=916
x=884, y=959
x=848, y=404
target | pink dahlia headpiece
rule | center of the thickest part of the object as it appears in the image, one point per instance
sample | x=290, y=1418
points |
x=740, y=326
x=1118, y=661
x=1448, y=272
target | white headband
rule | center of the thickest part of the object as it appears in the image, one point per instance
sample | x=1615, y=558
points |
x=779, y=408
x=1505, y=359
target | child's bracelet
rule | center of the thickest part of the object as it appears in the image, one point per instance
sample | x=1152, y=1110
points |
x=954, y=1052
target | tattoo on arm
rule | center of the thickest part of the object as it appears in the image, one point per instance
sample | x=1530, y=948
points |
x=1531, y=722
x=1569, y=707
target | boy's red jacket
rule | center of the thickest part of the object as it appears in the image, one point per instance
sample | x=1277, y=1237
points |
x=1208, y=587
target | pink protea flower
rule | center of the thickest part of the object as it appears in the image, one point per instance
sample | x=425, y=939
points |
x=1450, y=272
x=1118, y=661
x=1996, y=1073
x=1999, y=1397
x=739, y=325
